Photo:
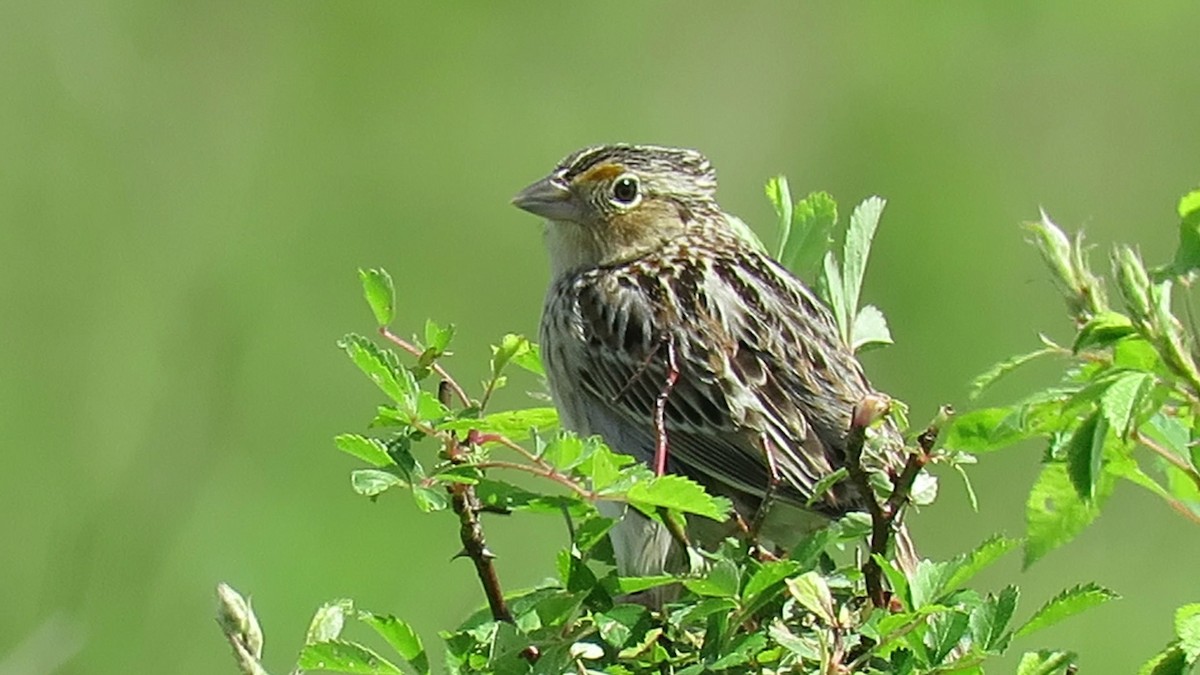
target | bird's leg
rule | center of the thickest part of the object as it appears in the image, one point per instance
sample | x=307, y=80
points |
x=764, y=507
x=660, y=412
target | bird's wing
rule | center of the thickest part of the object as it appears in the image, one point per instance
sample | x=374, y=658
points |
x=761, y=368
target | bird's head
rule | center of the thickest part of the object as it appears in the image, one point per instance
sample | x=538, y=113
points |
x=612, y=203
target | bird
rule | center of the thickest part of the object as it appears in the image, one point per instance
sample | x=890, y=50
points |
x=678, y=340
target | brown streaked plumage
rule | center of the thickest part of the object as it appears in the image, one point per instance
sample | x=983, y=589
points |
x=646, y=267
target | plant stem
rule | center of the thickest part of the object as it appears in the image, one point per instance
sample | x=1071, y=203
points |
x=437, y=368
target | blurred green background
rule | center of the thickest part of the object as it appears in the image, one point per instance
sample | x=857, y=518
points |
x=187, y=188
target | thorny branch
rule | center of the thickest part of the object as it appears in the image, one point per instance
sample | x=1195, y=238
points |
x=437, y=368
x=883, y=515
x=466, y=506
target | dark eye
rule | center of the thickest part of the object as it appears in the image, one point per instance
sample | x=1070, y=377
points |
x=625, y=190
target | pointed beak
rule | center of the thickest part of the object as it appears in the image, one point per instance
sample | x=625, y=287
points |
x=547, y=199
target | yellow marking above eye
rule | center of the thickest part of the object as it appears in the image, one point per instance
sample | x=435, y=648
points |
x=601, y=172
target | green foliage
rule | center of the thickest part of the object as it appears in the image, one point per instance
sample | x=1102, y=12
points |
x=1129, y=383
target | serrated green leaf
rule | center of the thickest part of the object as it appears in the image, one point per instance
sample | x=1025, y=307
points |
x=400, y=636
x=379, y=292
x=995, y=373
x=834, y=294
x=1187, y=255
x=944, y=633
x=1068, y=603
x=964, y=568
x=740, y=652
x=1187, y=629
x=1119, y=402
x=780, y=196
x=619, y=623
x=1103, y=330
x=437, y=338
x=430, y=499
x=1135, y=353
x=768, y=577
x=1054, y=513
x=811, y=591
x=863, y=222
x=928, y=581
x=677, y=493
x=372, y=482
x=517, y=425
x=869, y=329
x=721, y=580
x=383, y=369
x=1085, y=451
x=1045, y=662
x=530, y=359
x=825, y=483
x=989, y=620
x=896, y=580
x=328, y=621
x=1170, y=661
x=809, y=234
x=626, y=585
x=340, y=656
x=565, y=452
x=368, y=450
x=986, y=429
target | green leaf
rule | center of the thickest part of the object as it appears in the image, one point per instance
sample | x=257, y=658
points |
x=677, y=493
x=769, y=576
x=1054, y=513
x=835, y=296
x=378, y=290
x=863, y=222
x=811, y=591
x=437, y=338
x=1120, y=401
x=965, y=567
x=401, y=637
x=372, y=482
x=1187, y=628
x=928, y=582
x=1085, y=451
x=993, y=374
x=565, y=452
x=827, y=481
x=721, y=581
x=384, y=370
x=345, y=657
x=809, y=234
x=1187, y=255
x=626, y=585
x=1068, y=603
x=991, y=617
x=1103, y=330
x=430, y=499
x=517, y=425
x=986, y=429
x=1045, y=662
x=368, y=450
x=870, y=328
x=530, y=359
x=1170, y=661
x=1135, y=353
x=780, y=196
x=515, y=349
x=618, y=624
x=945, y=632
x=328, y=621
